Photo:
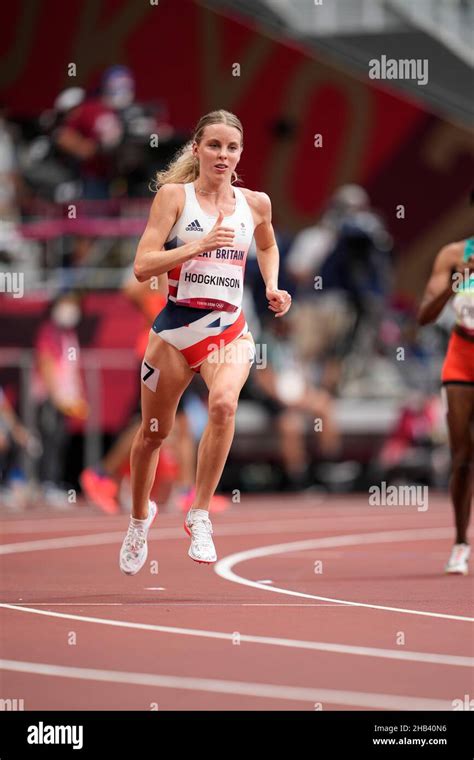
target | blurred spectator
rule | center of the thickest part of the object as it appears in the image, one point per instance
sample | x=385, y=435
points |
x=416, y=447
x=92, y=131
x=9, y=178
x=90, y=135
x=342, y=275
x=51, y=173
x=110, y=136
x=58, y=390
x=286, y=390
x=313, y=245
x=11, y=243
x=14, y=437
x=148, y=136
x=117, y=144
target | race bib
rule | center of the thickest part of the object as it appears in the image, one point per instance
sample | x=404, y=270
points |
x=210, y=285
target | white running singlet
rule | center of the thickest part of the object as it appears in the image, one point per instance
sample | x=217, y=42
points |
x=213, y=279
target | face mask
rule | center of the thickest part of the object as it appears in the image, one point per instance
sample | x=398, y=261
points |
x=119, y=93
x=66, y=315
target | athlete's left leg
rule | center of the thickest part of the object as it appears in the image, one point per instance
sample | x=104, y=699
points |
x=460, y=420
x=225, y=372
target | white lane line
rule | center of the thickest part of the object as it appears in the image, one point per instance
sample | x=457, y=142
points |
x=66, y=542
x=223, y=567
x=84, y=523
x=111, y=537
x=166, y=603
x=320, y=646
x=241, y=688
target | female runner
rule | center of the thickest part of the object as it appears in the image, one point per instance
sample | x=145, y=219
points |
x=199, y=232
x=453, y=276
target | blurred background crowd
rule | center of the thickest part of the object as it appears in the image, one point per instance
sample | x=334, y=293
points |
x=345, y=389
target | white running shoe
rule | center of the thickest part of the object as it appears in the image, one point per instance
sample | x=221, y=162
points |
x=457, y=562
x=198, y=525
x=134, y=549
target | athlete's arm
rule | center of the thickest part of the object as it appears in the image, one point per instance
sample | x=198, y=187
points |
x=151, y=258
x=268, y=256
x=440, y=285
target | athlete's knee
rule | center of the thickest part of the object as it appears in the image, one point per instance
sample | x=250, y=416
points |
x=222, y=407
x=462, y=461
x=151, y=435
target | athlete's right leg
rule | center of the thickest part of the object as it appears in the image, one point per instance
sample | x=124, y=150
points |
x=460, y=420
x=165, y=376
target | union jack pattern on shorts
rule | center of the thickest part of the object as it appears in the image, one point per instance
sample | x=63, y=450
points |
x=197, y=332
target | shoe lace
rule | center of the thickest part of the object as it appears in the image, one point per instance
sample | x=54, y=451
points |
x=202, y=530
x=458, y=553
x=135, y=539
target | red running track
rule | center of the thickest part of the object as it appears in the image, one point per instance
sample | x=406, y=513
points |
x=315, y=603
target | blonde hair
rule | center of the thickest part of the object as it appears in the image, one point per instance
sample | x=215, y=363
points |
x=184, y=167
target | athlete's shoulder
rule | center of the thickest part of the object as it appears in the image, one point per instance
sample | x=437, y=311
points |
x=170, y=198
x=257, y=198
x=171, y=190
x=449, y=255
x=259, y=202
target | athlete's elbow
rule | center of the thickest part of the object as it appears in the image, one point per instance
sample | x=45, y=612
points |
x=422, y=317
x=139, y=271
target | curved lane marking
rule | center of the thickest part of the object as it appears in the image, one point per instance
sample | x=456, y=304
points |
x=224, y=567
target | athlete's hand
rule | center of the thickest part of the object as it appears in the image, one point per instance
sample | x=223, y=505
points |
x=218, y=237
x=279, y=301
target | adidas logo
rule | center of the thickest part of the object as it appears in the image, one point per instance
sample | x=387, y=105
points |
x=194, y=227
